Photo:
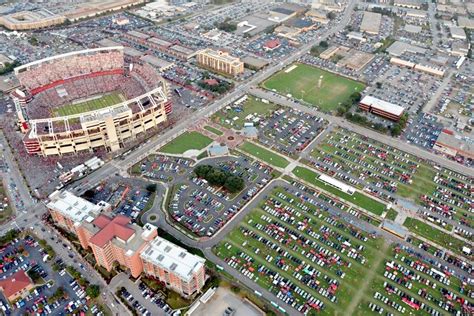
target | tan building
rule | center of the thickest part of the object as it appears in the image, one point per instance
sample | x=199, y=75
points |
x=220, y=61
x=411, y=4
x=108, y=128
x=180, y=270
x=92, y=8
x=453, y=145
x=31, y=20
x=118, y=241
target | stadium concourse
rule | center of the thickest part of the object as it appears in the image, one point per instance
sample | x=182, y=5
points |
x=86, y=100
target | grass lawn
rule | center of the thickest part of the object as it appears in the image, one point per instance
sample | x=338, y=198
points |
x=213, y=130
x=185, y=142
x=391, y=214
x=435, y=235
x=264, y=155
x=357, y=198
x=235, y=116
x=102, y=102
x=302, y=83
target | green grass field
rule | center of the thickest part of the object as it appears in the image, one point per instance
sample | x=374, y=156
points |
x=185, y=142
x=302, y=83
x=357, y=198
x=213, y=130
x=264, y=155
x=91, y=105
x=391, y=214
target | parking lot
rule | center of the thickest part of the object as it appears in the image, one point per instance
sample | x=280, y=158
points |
x=295, y=247
x=203, y=209
x=163, y=168
x=289, y=131
x=423, y=130
x=283, y=129
x=381, y=168
x=411, y=286
x=55, y=291
x=129, y=197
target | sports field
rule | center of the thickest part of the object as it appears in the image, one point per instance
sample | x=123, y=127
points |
x=91, y=105
x=301, y=81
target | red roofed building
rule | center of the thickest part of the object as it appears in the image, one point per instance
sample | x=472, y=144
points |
x=117, y=240
x=17, y=285
x=211, y=82
x=272, y=44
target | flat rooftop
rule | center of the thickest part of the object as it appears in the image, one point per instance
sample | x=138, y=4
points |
x=72, y=206
x=159, y=41
x=399, y=48
x=182, y=49
x=371, y=22
x=173, y=258
x=457, y=142
x=106, y=42
x=138, y=34
x=382, y=105
x=221, y=56
x=255, y=62
x=157, y=62
x=24, y=17
x=457, y=32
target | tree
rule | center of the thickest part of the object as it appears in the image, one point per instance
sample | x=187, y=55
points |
x=89, y=194
x=331, y=15
x=218, y=177
x=151, y=187
x=202, y=170
x=379, y=85
x=234, y=184
x=34, y=275
x=226, y=26
x=324, y=44
x=93, y=291
x=355, y=97
x=340, y=111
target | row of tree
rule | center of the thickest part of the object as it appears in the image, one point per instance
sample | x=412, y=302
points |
x=218, y=177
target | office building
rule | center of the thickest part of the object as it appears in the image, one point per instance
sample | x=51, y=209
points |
x=381, y=108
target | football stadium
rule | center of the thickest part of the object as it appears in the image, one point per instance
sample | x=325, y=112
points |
x=89, y=99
